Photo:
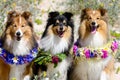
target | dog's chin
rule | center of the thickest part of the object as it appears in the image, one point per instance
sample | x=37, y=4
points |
x=18, y=38
x=60, y=33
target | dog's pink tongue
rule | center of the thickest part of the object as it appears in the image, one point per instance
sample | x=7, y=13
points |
x=93, y=30
x=61, y=34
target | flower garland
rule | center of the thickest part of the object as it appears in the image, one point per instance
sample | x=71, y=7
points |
x=45, y=57
x=18, y=60
x=99, y=53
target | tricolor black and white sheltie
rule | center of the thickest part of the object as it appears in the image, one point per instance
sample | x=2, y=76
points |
x=58, y=38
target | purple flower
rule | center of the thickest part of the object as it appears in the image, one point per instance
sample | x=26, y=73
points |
x=114, y=46
x=55, y=59
x=91, y=54
x=105, y=54
x=87, y=53
x=75, y=49
x=77, y=53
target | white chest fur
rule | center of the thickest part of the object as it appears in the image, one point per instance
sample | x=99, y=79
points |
x=17, y=71
x=61, y=69
x=93, y=40
x=60, y=72
x=90, y=70
x=18, y=47
x=54, y=43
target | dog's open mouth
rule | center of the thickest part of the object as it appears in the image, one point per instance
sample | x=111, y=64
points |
x=60, y=33
x=18, y=38
x=94, y=29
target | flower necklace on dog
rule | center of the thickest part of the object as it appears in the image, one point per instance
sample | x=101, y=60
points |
x=45, y=57
x=18, y=60
x=99, y=53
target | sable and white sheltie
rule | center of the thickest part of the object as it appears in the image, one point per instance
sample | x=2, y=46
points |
x=18, y=39
x=94, y=33
x=58, y=38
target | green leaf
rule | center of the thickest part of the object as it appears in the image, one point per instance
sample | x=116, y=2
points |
x=118, y=70
x=61, y=56
x=39, y=59
x=117, y=35
x=38, y=21
x=55, y=65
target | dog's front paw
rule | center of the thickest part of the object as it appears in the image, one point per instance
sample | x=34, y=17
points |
x=26, y=77
x=46, y=79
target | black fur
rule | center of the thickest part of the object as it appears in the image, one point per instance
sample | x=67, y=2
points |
x=53, y=16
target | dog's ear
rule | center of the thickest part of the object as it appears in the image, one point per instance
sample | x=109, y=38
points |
x=53, y=14
x=12, y=14
x=68, y=15
x=10, y=17
x=103, y=11
x=104, y=14
x=84, y=13
x=26, y=14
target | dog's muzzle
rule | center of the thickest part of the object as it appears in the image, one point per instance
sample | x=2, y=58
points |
x=18, y=35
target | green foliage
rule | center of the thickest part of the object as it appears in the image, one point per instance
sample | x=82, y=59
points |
x=38, y=21
x=61, y=56
x=115, y=34
x=113, y=7
x=46, y=57
x=118, y=70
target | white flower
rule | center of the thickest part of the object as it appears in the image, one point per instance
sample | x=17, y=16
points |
x=0, y=50
x=15, y=59
x=34, y=55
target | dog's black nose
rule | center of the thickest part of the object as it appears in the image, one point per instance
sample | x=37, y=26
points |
x=18, y=33
x=93, y=23
x=61, y=28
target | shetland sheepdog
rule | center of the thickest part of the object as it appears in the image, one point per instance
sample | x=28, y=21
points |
x=94, y=33
x=58, y=39
x=17, y=40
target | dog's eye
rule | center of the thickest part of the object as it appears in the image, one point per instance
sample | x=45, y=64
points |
x=14, y=25
x=98, y=18
x=57, y=24
x=64, y=23
x=89, y=18
x=23, y=26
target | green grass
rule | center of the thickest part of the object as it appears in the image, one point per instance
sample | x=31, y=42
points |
x=115, y=34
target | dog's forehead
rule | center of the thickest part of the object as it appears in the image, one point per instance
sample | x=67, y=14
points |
x=60, y=18
x=93, y=13
x=96, y=12
x=19, y=19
